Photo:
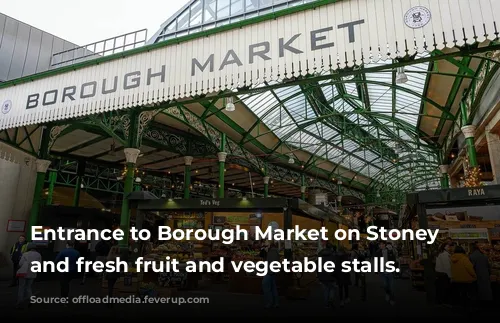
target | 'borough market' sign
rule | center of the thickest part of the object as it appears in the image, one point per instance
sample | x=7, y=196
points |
x=334, y=35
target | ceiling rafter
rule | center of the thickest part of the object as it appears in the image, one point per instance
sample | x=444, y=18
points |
x=352, y=130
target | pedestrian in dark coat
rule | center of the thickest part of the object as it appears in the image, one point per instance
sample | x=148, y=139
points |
x=482, y=268
x=327, y=279
x=343, y=279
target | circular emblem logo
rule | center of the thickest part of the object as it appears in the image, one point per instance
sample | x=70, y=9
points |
x=417, y=17
x=6, y=106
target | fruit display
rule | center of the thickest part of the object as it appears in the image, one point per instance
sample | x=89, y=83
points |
x=246, y=256
x=303, y=249
x=219, y=253
x=493, y=253
x=172, y=247
x=182, y=251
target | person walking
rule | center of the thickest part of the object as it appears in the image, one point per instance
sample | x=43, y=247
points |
x=326, y=279
x=269, y=285
x=102, y=250
x=359, y=278
x=83, y=249
x=483, y=271
x=463, y=277
x=112, y=277
x=70, y=255
x=25, y=275
x=388, y=254
x=373, y=249
x=16, y=253
x=343, y=279
x=443, y=275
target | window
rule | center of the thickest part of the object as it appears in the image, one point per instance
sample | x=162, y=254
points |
x=223, y=9
x=171, y=27
x=251, y=5
x=183, y=20
x=236, y=7
x=210, y=11
x=196, y=14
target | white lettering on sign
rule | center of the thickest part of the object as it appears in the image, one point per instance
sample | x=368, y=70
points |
x=209, y=203
x=333, y=36
x=477, y=192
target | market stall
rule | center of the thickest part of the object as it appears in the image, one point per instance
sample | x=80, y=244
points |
x=466, y=216
x=248, y=214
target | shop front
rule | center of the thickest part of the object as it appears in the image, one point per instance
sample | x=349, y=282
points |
x=464, y=216
x=248, y=214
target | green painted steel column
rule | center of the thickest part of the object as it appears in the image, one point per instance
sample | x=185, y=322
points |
x=52, y=184
x=303, y=187
x=131, y=155
x=445, y=182
x=222, y=155
x=288, y=223
x=266, y=186
x=339, y=194
x=78, y=189
x=80, y=173
x=188, y=161
x=469, y=133
x=41, y=170
x=42, y=165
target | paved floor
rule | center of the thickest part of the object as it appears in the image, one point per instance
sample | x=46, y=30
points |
x=410, y=303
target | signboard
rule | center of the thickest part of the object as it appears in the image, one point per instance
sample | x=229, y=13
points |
x=469, y=234
x=326, y=37
x=460, y=194
x=219, y=219
x=215, y=204
x=189, y=224
x=495, y=234
x=417, y=17
x=16, y=226
x=238, y=219
x=172, y=279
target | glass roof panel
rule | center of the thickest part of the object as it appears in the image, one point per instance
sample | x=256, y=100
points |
x=208, y=13
x=383, y=121
x=329, y=91
x=390, y=116
x=408, y=105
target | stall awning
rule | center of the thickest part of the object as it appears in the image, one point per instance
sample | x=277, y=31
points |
x=295, y=43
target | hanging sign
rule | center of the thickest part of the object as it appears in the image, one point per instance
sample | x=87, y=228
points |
x=469, y=234
x=331, y=36
x=172, y=279
x=16, y=226
x=495, y=234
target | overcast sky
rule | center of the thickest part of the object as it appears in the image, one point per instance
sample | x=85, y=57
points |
x=86, y=21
